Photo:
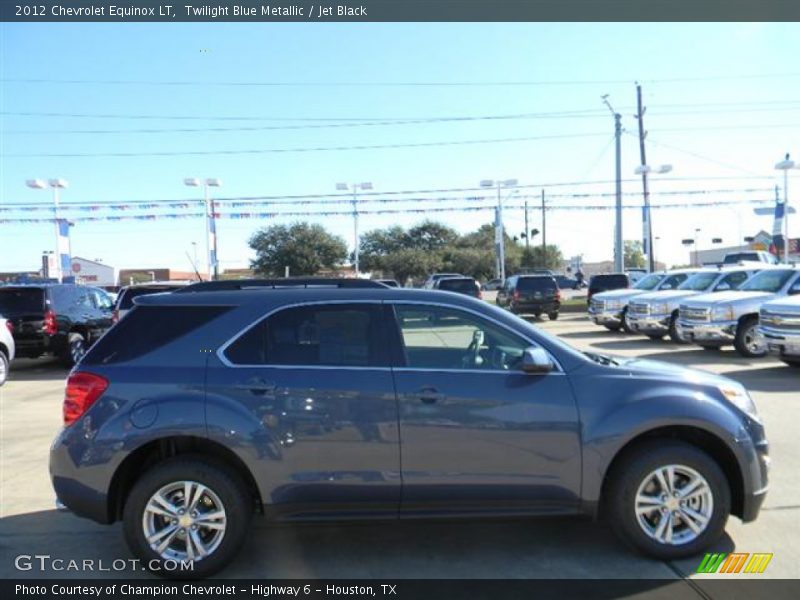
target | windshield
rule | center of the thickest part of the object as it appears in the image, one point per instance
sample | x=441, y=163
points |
x=771, y=280
x=649, y=282
x=699, y=282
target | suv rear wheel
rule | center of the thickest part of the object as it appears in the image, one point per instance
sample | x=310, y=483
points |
x=187, y=508
x=747, y=341
x=668, y=500
x=4, y=367
x=76, y=348
x=626, y=325
x=553, y=315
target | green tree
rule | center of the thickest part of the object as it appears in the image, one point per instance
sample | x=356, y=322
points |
x=303, y=247
x=633, y=254
x=431, y=236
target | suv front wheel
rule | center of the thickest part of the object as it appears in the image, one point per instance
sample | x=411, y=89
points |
x=668, y=500
x=747, y=341
x=187, y=509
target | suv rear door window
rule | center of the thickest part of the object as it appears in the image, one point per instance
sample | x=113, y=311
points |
x=19, y=301
x=319, y=335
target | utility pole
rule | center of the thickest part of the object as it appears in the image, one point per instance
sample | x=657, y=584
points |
x=544, y=234
x=647, y=226
x=527, y=231
x=619, y=265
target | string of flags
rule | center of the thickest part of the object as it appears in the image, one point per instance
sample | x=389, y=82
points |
x=384, y=211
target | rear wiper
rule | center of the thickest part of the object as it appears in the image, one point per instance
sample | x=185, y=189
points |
x=602, y=359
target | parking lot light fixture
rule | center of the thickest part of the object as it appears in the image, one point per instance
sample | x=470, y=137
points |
x=499, y=227
x=62, y=259
x=212, y=260
x=343, y=187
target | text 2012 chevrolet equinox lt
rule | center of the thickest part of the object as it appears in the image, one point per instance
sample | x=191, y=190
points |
x=199, y=409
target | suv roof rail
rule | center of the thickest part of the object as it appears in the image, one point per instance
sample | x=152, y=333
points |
x=281, y=283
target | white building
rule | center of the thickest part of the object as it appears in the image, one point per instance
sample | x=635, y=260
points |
x=761, y=241
x=92, y=272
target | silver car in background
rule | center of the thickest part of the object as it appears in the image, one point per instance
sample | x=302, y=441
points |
x=655, y=314
x=715, y=320
x=779, y=326
x=7, y=348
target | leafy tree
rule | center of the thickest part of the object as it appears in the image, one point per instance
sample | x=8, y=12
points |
x=548, y=258
x=430, y=235
x=633, y=254
x=303, y=247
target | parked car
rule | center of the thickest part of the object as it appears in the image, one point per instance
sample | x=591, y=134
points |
x=715, y=320
x=62, y=320
x=779, y=325
x=128, y=293
x=7, y=348
x=490, y=414
x=606, y=282
x=566, y=283
x=460, y=285
x=610, y=309
x=389, y=282
x=492, y=285
x=761, y=256
x=531, y=294
x=655, y=314
x=431, y=281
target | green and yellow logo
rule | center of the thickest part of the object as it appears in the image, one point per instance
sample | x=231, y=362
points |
x=736, y=562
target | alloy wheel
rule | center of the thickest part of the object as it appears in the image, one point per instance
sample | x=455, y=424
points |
x=184, y=520
x=674, y=505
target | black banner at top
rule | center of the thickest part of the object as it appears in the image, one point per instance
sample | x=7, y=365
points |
x=244, y=11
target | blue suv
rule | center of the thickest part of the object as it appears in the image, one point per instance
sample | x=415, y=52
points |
x=201, y=408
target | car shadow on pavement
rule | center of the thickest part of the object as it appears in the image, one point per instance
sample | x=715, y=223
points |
x=531, y=548
x=37, y=369
x=589, y=335
x=776, y=378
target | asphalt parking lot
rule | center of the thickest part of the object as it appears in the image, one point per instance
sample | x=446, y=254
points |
x=30, y=415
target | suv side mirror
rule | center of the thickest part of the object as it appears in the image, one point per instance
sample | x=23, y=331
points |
x=536, y=360
x=723, y=287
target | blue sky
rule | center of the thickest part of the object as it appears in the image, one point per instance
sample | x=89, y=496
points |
x=723, y=106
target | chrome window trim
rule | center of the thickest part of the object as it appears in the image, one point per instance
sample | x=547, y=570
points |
x=220, y=353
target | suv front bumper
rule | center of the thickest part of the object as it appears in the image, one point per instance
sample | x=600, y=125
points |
x=608, y=316
x=649, y=323
x=723, y=332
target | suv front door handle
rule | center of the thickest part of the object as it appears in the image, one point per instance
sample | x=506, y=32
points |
x=429, y=395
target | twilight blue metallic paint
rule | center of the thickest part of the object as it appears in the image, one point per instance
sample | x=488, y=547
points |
x=361, y=442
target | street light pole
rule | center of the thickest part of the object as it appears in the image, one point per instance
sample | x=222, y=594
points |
x=784, y=166
x=56, y=184
x=366, y=185
x=212, y=261
x=499, y=226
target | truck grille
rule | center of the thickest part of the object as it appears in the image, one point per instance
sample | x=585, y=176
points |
x=694, y=314
x=637, y=308
x=780, y=321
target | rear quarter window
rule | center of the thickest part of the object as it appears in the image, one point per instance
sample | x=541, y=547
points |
x=148, y=328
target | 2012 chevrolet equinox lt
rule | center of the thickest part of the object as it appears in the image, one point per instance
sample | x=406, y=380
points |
x=199, y=409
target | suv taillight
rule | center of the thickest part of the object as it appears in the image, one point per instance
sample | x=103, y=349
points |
x=83, y=389
x=515, y=295
x=115, y=316
x=50, y=326
x=558, y=294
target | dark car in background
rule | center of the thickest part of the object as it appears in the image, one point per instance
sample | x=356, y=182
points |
x=198, y=410
x=492, y=285
x=460, y=285
x=606, y=282
x=128, y=293
x=567, y=283
x=531, y=294
x=61, y=320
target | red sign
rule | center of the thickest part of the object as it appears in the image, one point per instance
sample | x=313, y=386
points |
x=76, y=267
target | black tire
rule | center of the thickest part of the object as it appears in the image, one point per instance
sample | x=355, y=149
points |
x=625, y=325
x=673, y=330
x=5, y=365
x=633, y=469
x=710, y=347
x=655, y=336
x=612, y=327
x=537, y=315
x=789, y=361
x=229, y=488
x=76, y=348
x=744, y=334
x=553, y=316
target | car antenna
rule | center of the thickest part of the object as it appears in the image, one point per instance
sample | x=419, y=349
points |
x=194, y=266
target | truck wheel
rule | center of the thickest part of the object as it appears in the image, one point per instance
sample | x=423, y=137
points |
x=187, y=508
x=4, y=367
x=655, y=336
x=76, y=348
x=710, y=347
x=673, y=330
x=553, y=315
x=668, y=499
x=612, y=327
x=626, y=326
x=747, y=342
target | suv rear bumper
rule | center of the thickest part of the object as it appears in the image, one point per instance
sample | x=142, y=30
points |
x=535, y=307
x=38, y=345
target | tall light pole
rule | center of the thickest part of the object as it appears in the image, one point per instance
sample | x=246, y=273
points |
x=619, y=260
x=62, y=261
x=212, y=260
x=647, y=221
x=696, y=255
x=366, y=185
x=500, y=241
x=786, y=165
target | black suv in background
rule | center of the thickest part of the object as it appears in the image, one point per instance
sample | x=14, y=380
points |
x=535, y=294
x=607, y=282
x=62, y=320
x=460, y=285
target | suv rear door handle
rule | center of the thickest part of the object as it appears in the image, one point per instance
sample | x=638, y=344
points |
x=429, y=395
x=256, y=385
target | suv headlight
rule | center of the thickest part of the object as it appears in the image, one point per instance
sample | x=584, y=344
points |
x=658, y=309
x=739, y=396
x=722, y=313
